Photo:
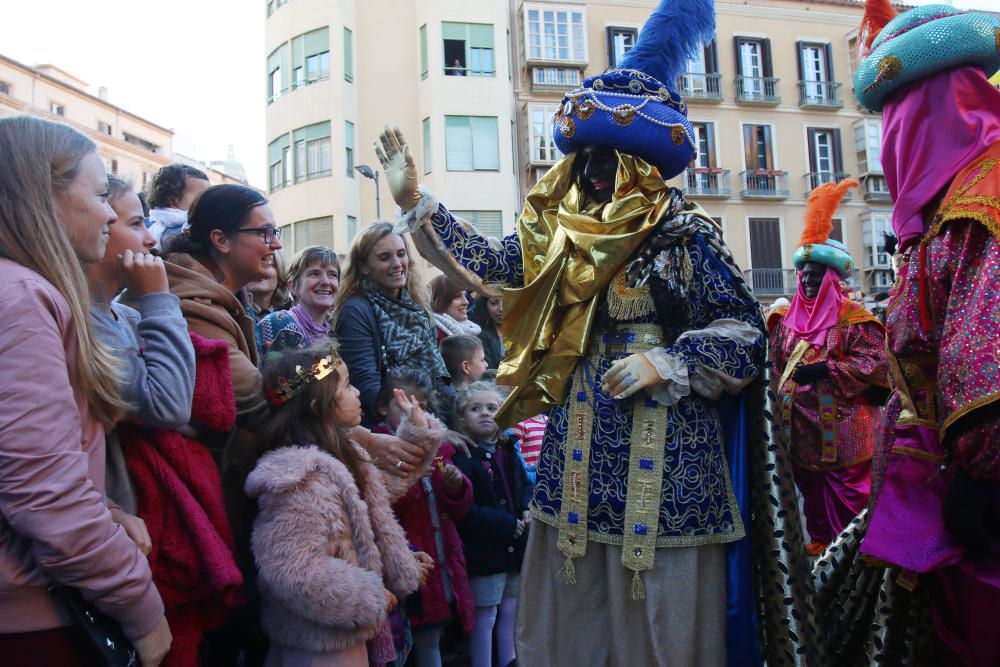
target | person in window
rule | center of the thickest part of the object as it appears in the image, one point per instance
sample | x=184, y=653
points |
x=457, y=68
x=830, y=377
x=931, y=538
x=172, y=191
x=628, y=321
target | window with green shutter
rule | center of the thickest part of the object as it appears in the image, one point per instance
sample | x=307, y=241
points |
x=423, y=51
x=311, y=57
x=468, y=49
x=488, y=223
x=349, y=148
x=348, y=55
x=352, y=229
x=312, y=149
x=471, y=143
x=276, y=153
x=427, y=145
x=277, y=73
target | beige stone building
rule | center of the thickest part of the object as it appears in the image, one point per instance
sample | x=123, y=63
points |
x=129, y=144
x=474, y=84
x=337, y=72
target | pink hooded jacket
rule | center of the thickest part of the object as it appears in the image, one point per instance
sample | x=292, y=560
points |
x=323, y=552
x=54, y=525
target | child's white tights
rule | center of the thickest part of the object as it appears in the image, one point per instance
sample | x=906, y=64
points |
x=481, y=642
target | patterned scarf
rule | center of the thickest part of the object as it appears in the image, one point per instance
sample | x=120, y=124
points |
x=408, y=333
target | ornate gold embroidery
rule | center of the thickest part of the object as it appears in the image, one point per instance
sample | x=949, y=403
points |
x=969, y=407
x=624, y=115
x=629, y=303
x=677, y=135
x=585, y=110
x=890, y=67
x=568, y=127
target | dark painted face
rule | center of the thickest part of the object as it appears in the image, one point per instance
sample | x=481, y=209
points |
x=596, y=168
x=812, y=278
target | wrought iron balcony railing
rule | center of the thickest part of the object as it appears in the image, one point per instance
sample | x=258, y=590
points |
x=819, y=95
x=771, y=282
x=764, y=184
x=760, y=90
x=814, y=179
x=707, y=182
x=706, y=87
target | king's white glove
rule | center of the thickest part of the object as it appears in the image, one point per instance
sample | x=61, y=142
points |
x=400, y=170
x=629, y=375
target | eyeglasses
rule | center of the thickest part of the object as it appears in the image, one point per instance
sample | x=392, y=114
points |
x=268, y=233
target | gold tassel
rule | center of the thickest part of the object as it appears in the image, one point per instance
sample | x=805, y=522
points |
x=569, y=572
x=629, y=303
x=638, y=590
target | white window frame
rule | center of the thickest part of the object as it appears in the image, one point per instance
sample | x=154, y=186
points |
x=574, y=55
x=547, y=152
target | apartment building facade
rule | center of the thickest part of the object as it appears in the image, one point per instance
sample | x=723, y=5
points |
x=474, y=86
x=130, y=145
x=771, y=103
x=338, y=72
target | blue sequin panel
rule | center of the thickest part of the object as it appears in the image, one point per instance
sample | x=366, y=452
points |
x=474, y=252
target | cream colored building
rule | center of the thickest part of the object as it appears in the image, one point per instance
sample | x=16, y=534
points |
x=337, y=72
x=130, y=145
x=772, y=107
x=770, y=99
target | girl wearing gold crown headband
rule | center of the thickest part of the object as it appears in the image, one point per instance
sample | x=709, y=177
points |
x=332, y=559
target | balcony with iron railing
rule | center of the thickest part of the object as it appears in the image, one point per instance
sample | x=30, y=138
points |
x=771, y=282
x=555, y=78
x=758, y=91
x=707, y=182
x=764, y=184
x=876, y=190
x=814, y=179
x=700, y=87
x=819, y=95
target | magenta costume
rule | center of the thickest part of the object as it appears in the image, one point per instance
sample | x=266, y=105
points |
x=932, y=534
x=830, y=424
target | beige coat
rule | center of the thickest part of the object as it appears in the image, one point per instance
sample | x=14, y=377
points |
x=213, y=312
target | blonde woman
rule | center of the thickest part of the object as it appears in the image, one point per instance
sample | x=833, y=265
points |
x=60, y=391
x=381, y=316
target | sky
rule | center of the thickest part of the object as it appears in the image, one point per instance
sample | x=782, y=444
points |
x=195, y=66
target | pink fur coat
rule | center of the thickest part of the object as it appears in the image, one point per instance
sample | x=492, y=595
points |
x=323, y=552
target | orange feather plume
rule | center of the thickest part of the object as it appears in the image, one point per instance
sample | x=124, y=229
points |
x=878, y=13
x=822, y=204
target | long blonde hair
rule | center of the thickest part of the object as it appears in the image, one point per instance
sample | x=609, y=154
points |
x=353, y=282
x=40, y=158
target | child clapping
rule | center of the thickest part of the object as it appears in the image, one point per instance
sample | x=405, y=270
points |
x=493, y=532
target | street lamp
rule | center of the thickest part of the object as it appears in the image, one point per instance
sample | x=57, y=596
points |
x=368, y=172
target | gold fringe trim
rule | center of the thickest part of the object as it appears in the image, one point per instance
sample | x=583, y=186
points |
x=638, y=590
x=629, y=303
x=569, y=572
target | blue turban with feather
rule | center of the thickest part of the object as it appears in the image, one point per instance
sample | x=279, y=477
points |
x=636, y=108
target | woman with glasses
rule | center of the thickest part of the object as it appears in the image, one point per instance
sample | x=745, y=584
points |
x=230, y=243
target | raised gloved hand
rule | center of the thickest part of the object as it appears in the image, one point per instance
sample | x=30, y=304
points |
x=629, y=375
x=810, y=373
x=400, y=170
x=970, y=511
